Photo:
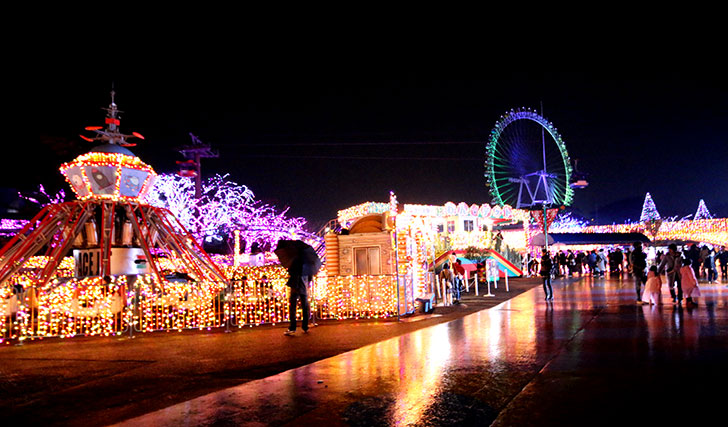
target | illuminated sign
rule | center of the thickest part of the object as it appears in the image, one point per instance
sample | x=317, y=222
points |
x=123, y=261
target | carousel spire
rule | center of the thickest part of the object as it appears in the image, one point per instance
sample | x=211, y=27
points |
x=109, y=217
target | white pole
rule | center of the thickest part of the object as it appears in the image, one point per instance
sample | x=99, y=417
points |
x=488, y=294
x=488, y=280
x=437, y=286
x=506, y=273
x=467, y=281
x=476, y=284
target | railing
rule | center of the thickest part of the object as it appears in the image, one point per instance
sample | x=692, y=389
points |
x=98, y=308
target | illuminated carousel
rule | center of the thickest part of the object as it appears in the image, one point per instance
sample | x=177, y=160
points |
x=132, y=260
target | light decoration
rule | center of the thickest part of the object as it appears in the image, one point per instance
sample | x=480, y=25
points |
x=650, y=217
x=415, y=237
x=702, y=212
x=59, y=197
x=69, y=307
x=494, y=155
x=108, y=176
x=462, y=210
x=347, y=216
x=565, y=223
x=649, y=210
x=713, y=231
x=256, y=295
x=10, y=227
x=357, y=297
x=225, y=207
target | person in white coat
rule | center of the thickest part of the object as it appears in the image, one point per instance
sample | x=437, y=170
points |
x=601, y=262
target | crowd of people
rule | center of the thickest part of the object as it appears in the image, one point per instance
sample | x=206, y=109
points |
x=682, y=268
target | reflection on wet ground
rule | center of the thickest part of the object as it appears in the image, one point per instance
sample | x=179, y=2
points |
x=590, y=357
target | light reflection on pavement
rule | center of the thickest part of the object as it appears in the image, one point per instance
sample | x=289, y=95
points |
x=590, y=357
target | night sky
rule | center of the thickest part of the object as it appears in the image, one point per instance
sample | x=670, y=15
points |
x=321, y=140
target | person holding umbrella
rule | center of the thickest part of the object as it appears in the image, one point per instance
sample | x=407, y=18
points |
x=302, y=263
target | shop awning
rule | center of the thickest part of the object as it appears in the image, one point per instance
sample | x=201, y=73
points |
x=567, y=239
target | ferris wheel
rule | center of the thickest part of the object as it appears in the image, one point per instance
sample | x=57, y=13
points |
x=527, y=163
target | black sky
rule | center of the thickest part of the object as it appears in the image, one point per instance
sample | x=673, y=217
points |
x=290, y=137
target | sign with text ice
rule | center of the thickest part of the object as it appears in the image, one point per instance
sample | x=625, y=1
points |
x=123, y=261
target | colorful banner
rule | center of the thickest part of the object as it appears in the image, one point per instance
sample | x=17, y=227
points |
x=537, y=216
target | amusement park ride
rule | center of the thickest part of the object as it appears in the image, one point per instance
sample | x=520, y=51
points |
x=109, y=228
x=528, y=166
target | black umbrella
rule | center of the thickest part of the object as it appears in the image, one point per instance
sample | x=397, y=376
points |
x=298, y=257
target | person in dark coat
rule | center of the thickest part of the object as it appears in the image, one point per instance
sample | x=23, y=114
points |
x=723, y=259
x=670, y=265
x=299, y=279
x=546, y=266
x=694, y=256
x=709, y=265
x=638, y=260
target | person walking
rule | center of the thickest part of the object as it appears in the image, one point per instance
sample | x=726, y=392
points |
x=709, y=265
x=447, y=279
x=638, y=260
x=670, y=264
x=571, y=261
x=580, y=262
x=459, y=271
x=723, y=260
x=619, y=260
x=546, y=267
x=562, y=263
x=591, y=260
x=601, y=262
x=694, y=256
x=689, y=282
x=653, y=287
x=298, y=284
x=628, y=266
x=703, y=254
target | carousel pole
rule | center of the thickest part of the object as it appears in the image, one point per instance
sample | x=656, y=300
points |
x=143, y=239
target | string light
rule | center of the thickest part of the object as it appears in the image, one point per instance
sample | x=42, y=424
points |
x=68, y=307
x=224, y=207
x=131, y=177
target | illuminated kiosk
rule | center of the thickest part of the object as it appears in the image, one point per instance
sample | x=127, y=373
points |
x=384, y=260
x=114, y=236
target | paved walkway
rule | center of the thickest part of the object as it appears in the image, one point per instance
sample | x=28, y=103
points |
x=590, y=357
x=99, y=381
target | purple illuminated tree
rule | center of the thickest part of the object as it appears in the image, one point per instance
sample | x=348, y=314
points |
x=224, y=207
x=42, y=198
x=565, y=223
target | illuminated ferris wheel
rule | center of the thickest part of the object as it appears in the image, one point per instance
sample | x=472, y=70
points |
x=527, y=163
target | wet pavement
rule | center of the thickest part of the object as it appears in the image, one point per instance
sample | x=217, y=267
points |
x=99, y=381
x=590, y=357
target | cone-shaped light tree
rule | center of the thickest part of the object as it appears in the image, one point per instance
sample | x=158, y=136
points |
x=702, y=212
x=649, y=211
